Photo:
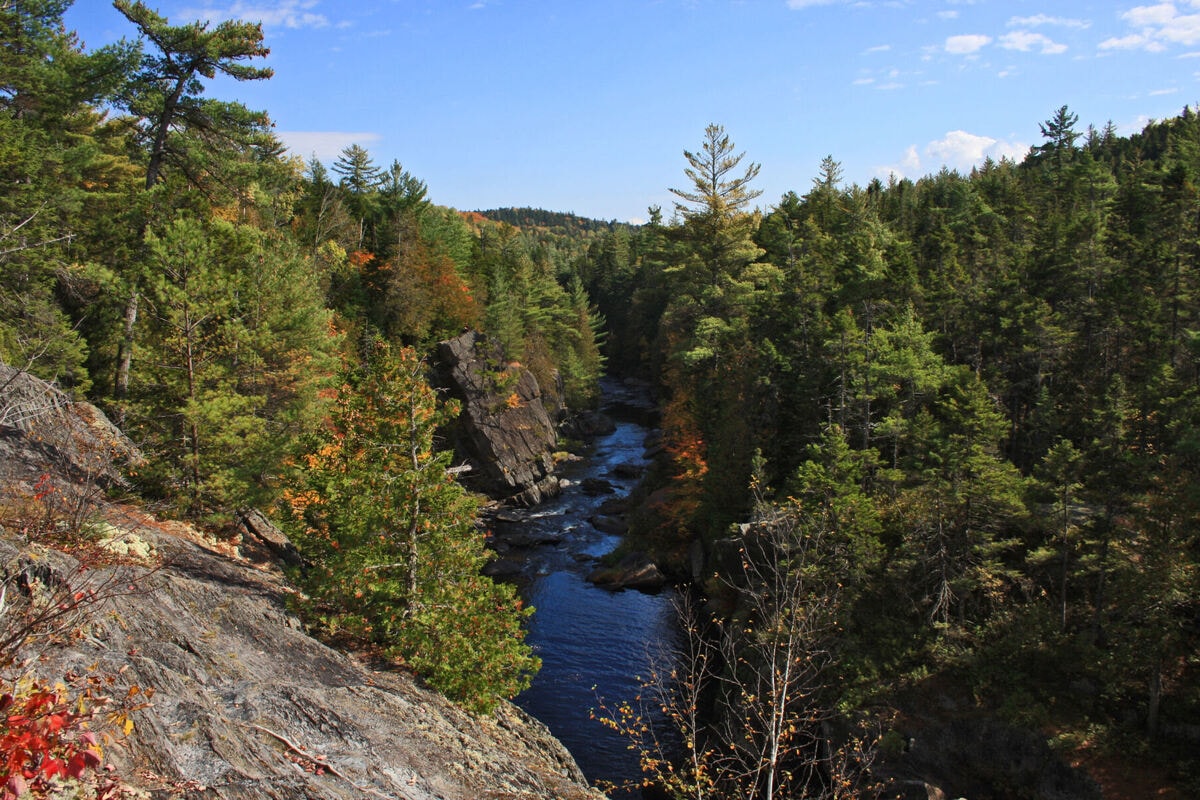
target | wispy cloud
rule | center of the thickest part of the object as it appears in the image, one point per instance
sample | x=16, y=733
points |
x=1037, y=20
x=967, y=43
x=1156, y=28
x=796, y=5
x=1134, y=41
x=1028, y=40
x=271, y=13
x=325, y=145
x=879, y=48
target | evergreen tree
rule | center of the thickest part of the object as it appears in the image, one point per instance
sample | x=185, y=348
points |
x=166, y=92
x=177, y=126
x=236, y=343
x=395, y=556
x=58, y=178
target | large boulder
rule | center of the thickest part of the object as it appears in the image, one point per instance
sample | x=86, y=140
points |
x=634, y=571
x=504, y=431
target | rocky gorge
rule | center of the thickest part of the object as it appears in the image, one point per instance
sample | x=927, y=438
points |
x=247, y=705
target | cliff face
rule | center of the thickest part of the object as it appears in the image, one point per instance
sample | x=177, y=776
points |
x=504, y=430
x=245, y=704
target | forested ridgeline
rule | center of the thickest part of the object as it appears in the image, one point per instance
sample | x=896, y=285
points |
x=970, y=405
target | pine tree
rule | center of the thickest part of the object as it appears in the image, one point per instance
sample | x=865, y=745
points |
x=166, y=92
x=235, y=346
x=55, y=180
x=178, y=127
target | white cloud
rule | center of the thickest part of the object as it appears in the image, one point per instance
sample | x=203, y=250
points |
x=1162, y=92
x=879, y=48
x=796, y=5
x=1134, y=41
x=1043, y=19
x=961, y=150
x=325, y=145
x=1148, y=16
x=863, y=81
x=271, y=13
x=967, y=44
x=1156, y=27
x=948, y=14
x=1027, y=40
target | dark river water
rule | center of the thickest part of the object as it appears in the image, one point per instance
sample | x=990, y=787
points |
x=595, y=644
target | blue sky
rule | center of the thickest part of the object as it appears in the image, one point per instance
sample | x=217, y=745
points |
x=587, y=106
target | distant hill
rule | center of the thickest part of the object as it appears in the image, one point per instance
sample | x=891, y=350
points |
x=557, y=222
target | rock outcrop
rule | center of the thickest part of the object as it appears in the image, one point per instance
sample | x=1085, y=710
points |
x=44, y=433
x=246, y=705
x=504, y=431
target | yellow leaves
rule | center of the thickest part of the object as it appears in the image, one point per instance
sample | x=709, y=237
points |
x=513, y=401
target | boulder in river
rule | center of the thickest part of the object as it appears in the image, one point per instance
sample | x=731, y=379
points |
x=634, y=571
x=597, y=486
x=588, y=425
x=608, y=524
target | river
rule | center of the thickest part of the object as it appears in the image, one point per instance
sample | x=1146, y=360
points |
x=594, y=643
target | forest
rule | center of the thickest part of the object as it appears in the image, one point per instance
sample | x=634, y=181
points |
x=931, y=432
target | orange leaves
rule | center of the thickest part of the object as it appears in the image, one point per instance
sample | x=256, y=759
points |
x=301, y=501
x=43, y=488
x=360, y=258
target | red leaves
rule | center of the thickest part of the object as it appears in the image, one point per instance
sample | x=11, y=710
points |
x=43, y=488
x=43, y=740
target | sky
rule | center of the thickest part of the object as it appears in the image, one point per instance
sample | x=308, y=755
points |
x=586, y=106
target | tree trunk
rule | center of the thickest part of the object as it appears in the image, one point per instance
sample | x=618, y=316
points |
x=1155, y=697
x=125, y=355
